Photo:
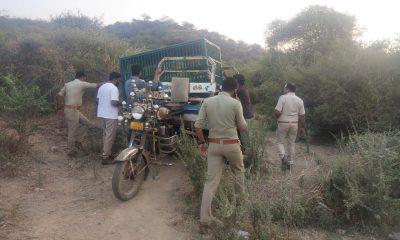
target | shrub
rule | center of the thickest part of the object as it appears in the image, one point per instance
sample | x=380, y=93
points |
x=195, y=165
x=18, y=104
x=363, y=183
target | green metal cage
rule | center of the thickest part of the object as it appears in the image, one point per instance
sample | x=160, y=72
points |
x=150, y=60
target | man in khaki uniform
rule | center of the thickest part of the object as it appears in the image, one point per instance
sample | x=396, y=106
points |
x=290, y=112
x=224, y=116
x=72, y=93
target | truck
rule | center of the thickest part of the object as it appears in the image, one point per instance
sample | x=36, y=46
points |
x=197, y=64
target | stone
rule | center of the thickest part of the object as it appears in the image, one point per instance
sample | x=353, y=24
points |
x=38, y=189
x=340, y=231
x=394, y=236
x=54, y=149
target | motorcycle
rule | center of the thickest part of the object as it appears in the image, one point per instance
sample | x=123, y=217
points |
x=154, y=133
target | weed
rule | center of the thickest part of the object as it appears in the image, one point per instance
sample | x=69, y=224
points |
x=363, y=182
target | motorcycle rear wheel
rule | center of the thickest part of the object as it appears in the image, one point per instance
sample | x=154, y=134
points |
x=128, y=177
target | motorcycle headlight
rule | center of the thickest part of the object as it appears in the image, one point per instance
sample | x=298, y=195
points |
x=137, y=112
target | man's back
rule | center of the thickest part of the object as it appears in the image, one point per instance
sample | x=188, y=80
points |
x=107, y=92
x=243, y=95
x=291, y=106
x=223, y=115
x=73, y=91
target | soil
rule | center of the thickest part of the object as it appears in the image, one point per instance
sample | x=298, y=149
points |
x=57, y=197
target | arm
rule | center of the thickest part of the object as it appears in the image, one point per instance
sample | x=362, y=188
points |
x=302, y=120
x=243, y=95
x=116, y=103
x=115, y=97
x=91, y=85
x=279, y=108
x=60, y=101
x=277, y=114
x=157, y=73
x=199, y=125
x=97, y=105
x=240, y=121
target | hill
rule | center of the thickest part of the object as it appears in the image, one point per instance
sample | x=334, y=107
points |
x=147, y=34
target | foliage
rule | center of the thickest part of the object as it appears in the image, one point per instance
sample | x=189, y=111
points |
x=195, y=165
x=363, y=183
x=47, y=54
x=346, y=85
x=316, y=30
x=150, y=34
x=18, y=104
x=18, y=100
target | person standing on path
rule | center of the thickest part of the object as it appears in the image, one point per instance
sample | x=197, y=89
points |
x=244, y=98
x=71, y=95
x=290, y=113
x=107, y=109
x=224, y=116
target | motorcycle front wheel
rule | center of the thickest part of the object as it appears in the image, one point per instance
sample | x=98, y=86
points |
x=128, y=177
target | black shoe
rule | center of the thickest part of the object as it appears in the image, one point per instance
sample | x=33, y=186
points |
x=72, y=153
x=285, y=163
x=107, y=160
x=204, y=228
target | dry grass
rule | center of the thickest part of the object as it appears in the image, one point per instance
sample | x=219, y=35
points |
x=281, y=204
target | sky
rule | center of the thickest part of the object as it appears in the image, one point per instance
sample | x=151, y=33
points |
x=244, y=20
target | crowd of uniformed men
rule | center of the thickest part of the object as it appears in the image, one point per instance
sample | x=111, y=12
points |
x=227, y=114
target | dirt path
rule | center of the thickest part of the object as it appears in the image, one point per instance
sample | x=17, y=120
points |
x=73, y=199
x=62, y=198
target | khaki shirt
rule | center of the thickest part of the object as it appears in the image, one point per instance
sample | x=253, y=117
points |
x=224, y=116
x=291, y=106
x=73, y=91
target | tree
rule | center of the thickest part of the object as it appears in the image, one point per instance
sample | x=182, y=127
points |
x=315, y=31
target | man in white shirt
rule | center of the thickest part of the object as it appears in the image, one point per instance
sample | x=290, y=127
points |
x=290, y=113
x=108, y=103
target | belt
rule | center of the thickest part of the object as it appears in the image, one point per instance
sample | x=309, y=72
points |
x=71, y=106
x=288, y=121
x=223, y=141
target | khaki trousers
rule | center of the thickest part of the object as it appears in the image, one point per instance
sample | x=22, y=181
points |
x=74, y=118
x=109, y=133
x=217, y=153
x=286, y=132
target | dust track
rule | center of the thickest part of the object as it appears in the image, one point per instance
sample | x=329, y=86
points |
x=72, y=199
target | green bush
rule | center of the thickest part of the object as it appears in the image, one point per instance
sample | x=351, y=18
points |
x=195, y=165
x=362, y=185
x=47, y=54
x=346, y=85
x=19, y=103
